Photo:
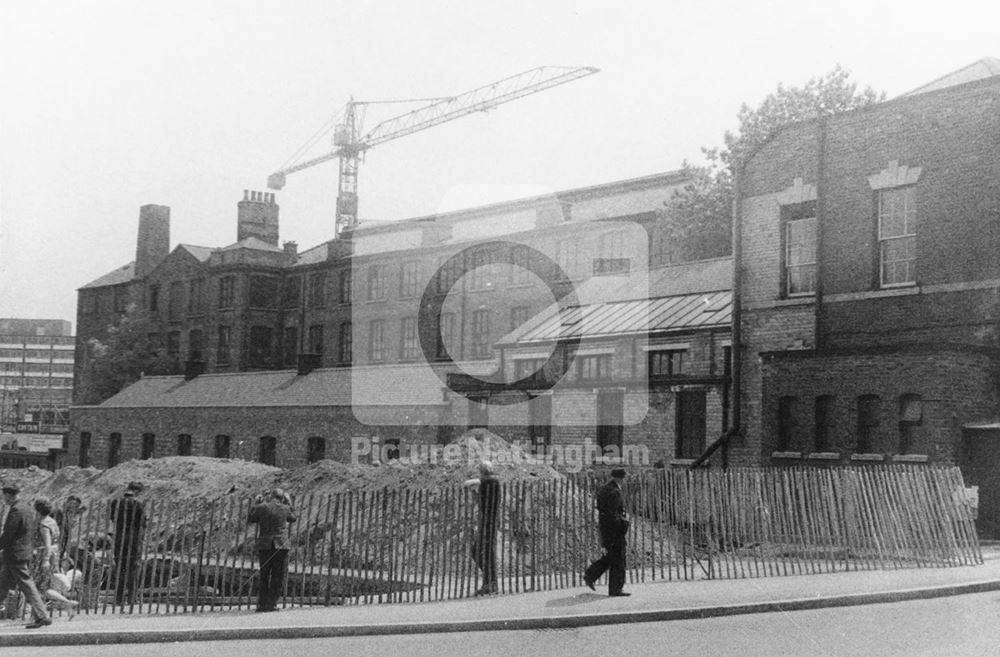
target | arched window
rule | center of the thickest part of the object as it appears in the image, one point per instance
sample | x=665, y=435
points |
x=267, y=450
x=868, y=421
x=911, y=415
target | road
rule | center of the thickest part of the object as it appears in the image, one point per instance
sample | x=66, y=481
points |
x=962, y=626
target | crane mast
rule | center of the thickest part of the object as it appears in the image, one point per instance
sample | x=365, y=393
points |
x=350, y=145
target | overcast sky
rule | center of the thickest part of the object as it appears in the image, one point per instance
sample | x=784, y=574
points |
x=107, y=106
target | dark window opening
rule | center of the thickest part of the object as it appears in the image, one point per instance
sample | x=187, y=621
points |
x=114, y=449
x=315, y=449
x=690, y=426
x=222, y=446
x=267, y=450
x=84, y=461
x=824, y=419
x=184, y=445
x=868, y=423
x=787, y=408
x=148, y=448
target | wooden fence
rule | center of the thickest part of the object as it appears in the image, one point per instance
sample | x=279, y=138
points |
x=405, y=545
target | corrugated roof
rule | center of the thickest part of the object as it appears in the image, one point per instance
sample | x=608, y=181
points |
x=121, y=275
x=986, y=67
x=388, y=385
x=631, y=317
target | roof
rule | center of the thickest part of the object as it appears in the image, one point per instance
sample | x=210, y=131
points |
x=314, y=255
x=202, y=253
x=387, y=385
x=251, y=243
x=123, y=274
x=630, y=317
x=986, y=67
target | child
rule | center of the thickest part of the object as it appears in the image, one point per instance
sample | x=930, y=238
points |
x=63, y=586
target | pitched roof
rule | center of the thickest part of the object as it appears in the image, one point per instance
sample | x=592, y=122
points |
x=314, y=255
x=202, y=253
x=986, y=67
x=123, y=274
x=251, y=243
x=387, y=385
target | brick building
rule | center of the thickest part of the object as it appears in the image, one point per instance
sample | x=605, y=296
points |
x=355, y=303
x=868, y=260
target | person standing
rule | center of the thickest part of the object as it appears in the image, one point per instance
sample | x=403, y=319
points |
x=613, y=525
x=272, y=515
x=69, y=520
x=130, y=520
x=484, y=550
x=15, y=555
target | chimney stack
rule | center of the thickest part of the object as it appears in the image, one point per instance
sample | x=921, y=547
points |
x=153, y=242
x=291, y=249
x=257, y=216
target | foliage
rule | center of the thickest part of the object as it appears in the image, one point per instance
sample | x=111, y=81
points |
x=699, y=218
x=123, y=357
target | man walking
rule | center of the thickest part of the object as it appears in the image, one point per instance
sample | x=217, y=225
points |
x=130, y=521
x=272, y=514
x=484, y=550
x=613, y=526
x=16, y=550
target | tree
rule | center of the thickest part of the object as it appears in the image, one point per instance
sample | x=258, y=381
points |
x=122, y=358
x=698, y=220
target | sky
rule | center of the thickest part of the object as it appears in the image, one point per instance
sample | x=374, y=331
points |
x=106, y=106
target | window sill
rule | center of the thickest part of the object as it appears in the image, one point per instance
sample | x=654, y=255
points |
x=681, y=463
x=868, y=457
x=883, y=293
x=910, y=458
x=804, y=300
x=823, y=456
x=786, y=455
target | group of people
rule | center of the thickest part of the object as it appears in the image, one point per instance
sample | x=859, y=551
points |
x=34, y=557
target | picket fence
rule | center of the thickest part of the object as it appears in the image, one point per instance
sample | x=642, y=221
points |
x=413, y=545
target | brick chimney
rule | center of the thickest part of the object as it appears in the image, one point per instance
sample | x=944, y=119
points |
x=153, y=242
x=257, y=216
x=291, y=249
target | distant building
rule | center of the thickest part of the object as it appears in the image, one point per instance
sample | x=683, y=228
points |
x=36, y=375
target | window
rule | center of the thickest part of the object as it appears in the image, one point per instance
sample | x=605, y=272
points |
x=84, y=461
x=345, y=293
x=148, y=446
x=799, y=248
x=520, y=260
x=445, y=334
x=447, y=274
x=261, y=345
x=481, y=334
x=267, y=450
x=911, y=415
x=479, y=413
x=376, y=340
x=344, y=342
x=540, y=422
x=593, y=368
x=114, y=449
x=317, y=289
x=610, y=418
x=291, y=292
x=518, y=316
x=315, y=449
x=222, y=444
x=410, y=347
x=868, y=421
x=481, y=270
x=316, y=339
x=196, y=289
x=408, y=279
x=184, y=444
x=614, y=254
x=196, y=345
x=525, y=367
x=570, y=257
x=154, y=298
x=787, y=407
x=290, y=346
x=176, y=301
x=173, y=343
x=824, y=427
x=263, y=291
x=666, y=362
x=227, y=291
x=376, y=282
x=897, y=235
x=223, y=349
x=690, y=427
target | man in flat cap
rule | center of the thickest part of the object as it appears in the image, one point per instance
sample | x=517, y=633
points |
x=130, y=521
x=16, y=550
x=613, y=525
x=272, y=513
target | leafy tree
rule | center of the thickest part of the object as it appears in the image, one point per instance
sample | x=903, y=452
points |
x=698, y=220
x=120, y=359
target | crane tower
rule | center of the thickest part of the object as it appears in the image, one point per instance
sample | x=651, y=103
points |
x=350, y=144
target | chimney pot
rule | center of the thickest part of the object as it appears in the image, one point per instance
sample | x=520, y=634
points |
x=246, y=194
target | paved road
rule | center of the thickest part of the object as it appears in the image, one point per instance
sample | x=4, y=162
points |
x=962, y=626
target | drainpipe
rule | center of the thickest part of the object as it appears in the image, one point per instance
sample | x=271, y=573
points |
x=820, y=221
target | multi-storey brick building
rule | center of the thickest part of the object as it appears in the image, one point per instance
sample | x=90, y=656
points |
x=868, y=268
x=353, y=306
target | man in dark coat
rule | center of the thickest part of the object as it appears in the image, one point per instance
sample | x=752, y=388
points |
x=272, y=515
x=15, y=553
x=613, y=526
x=130, y=521
x=484, y=549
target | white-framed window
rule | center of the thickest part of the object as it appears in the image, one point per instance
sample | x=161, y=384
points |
x=376, y=282
x=800, y=256
x=410, y=347
x=376, y=340
x=897, y=236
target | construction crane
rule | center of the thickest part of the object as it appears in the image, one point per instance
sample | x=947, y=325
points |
x=350, y=145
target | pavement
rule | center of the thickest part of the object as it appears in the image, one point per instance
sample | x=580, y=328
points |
x=564, y=608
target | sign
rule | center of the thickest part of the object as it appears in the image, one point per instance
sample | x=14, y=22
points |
x=27, y=427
